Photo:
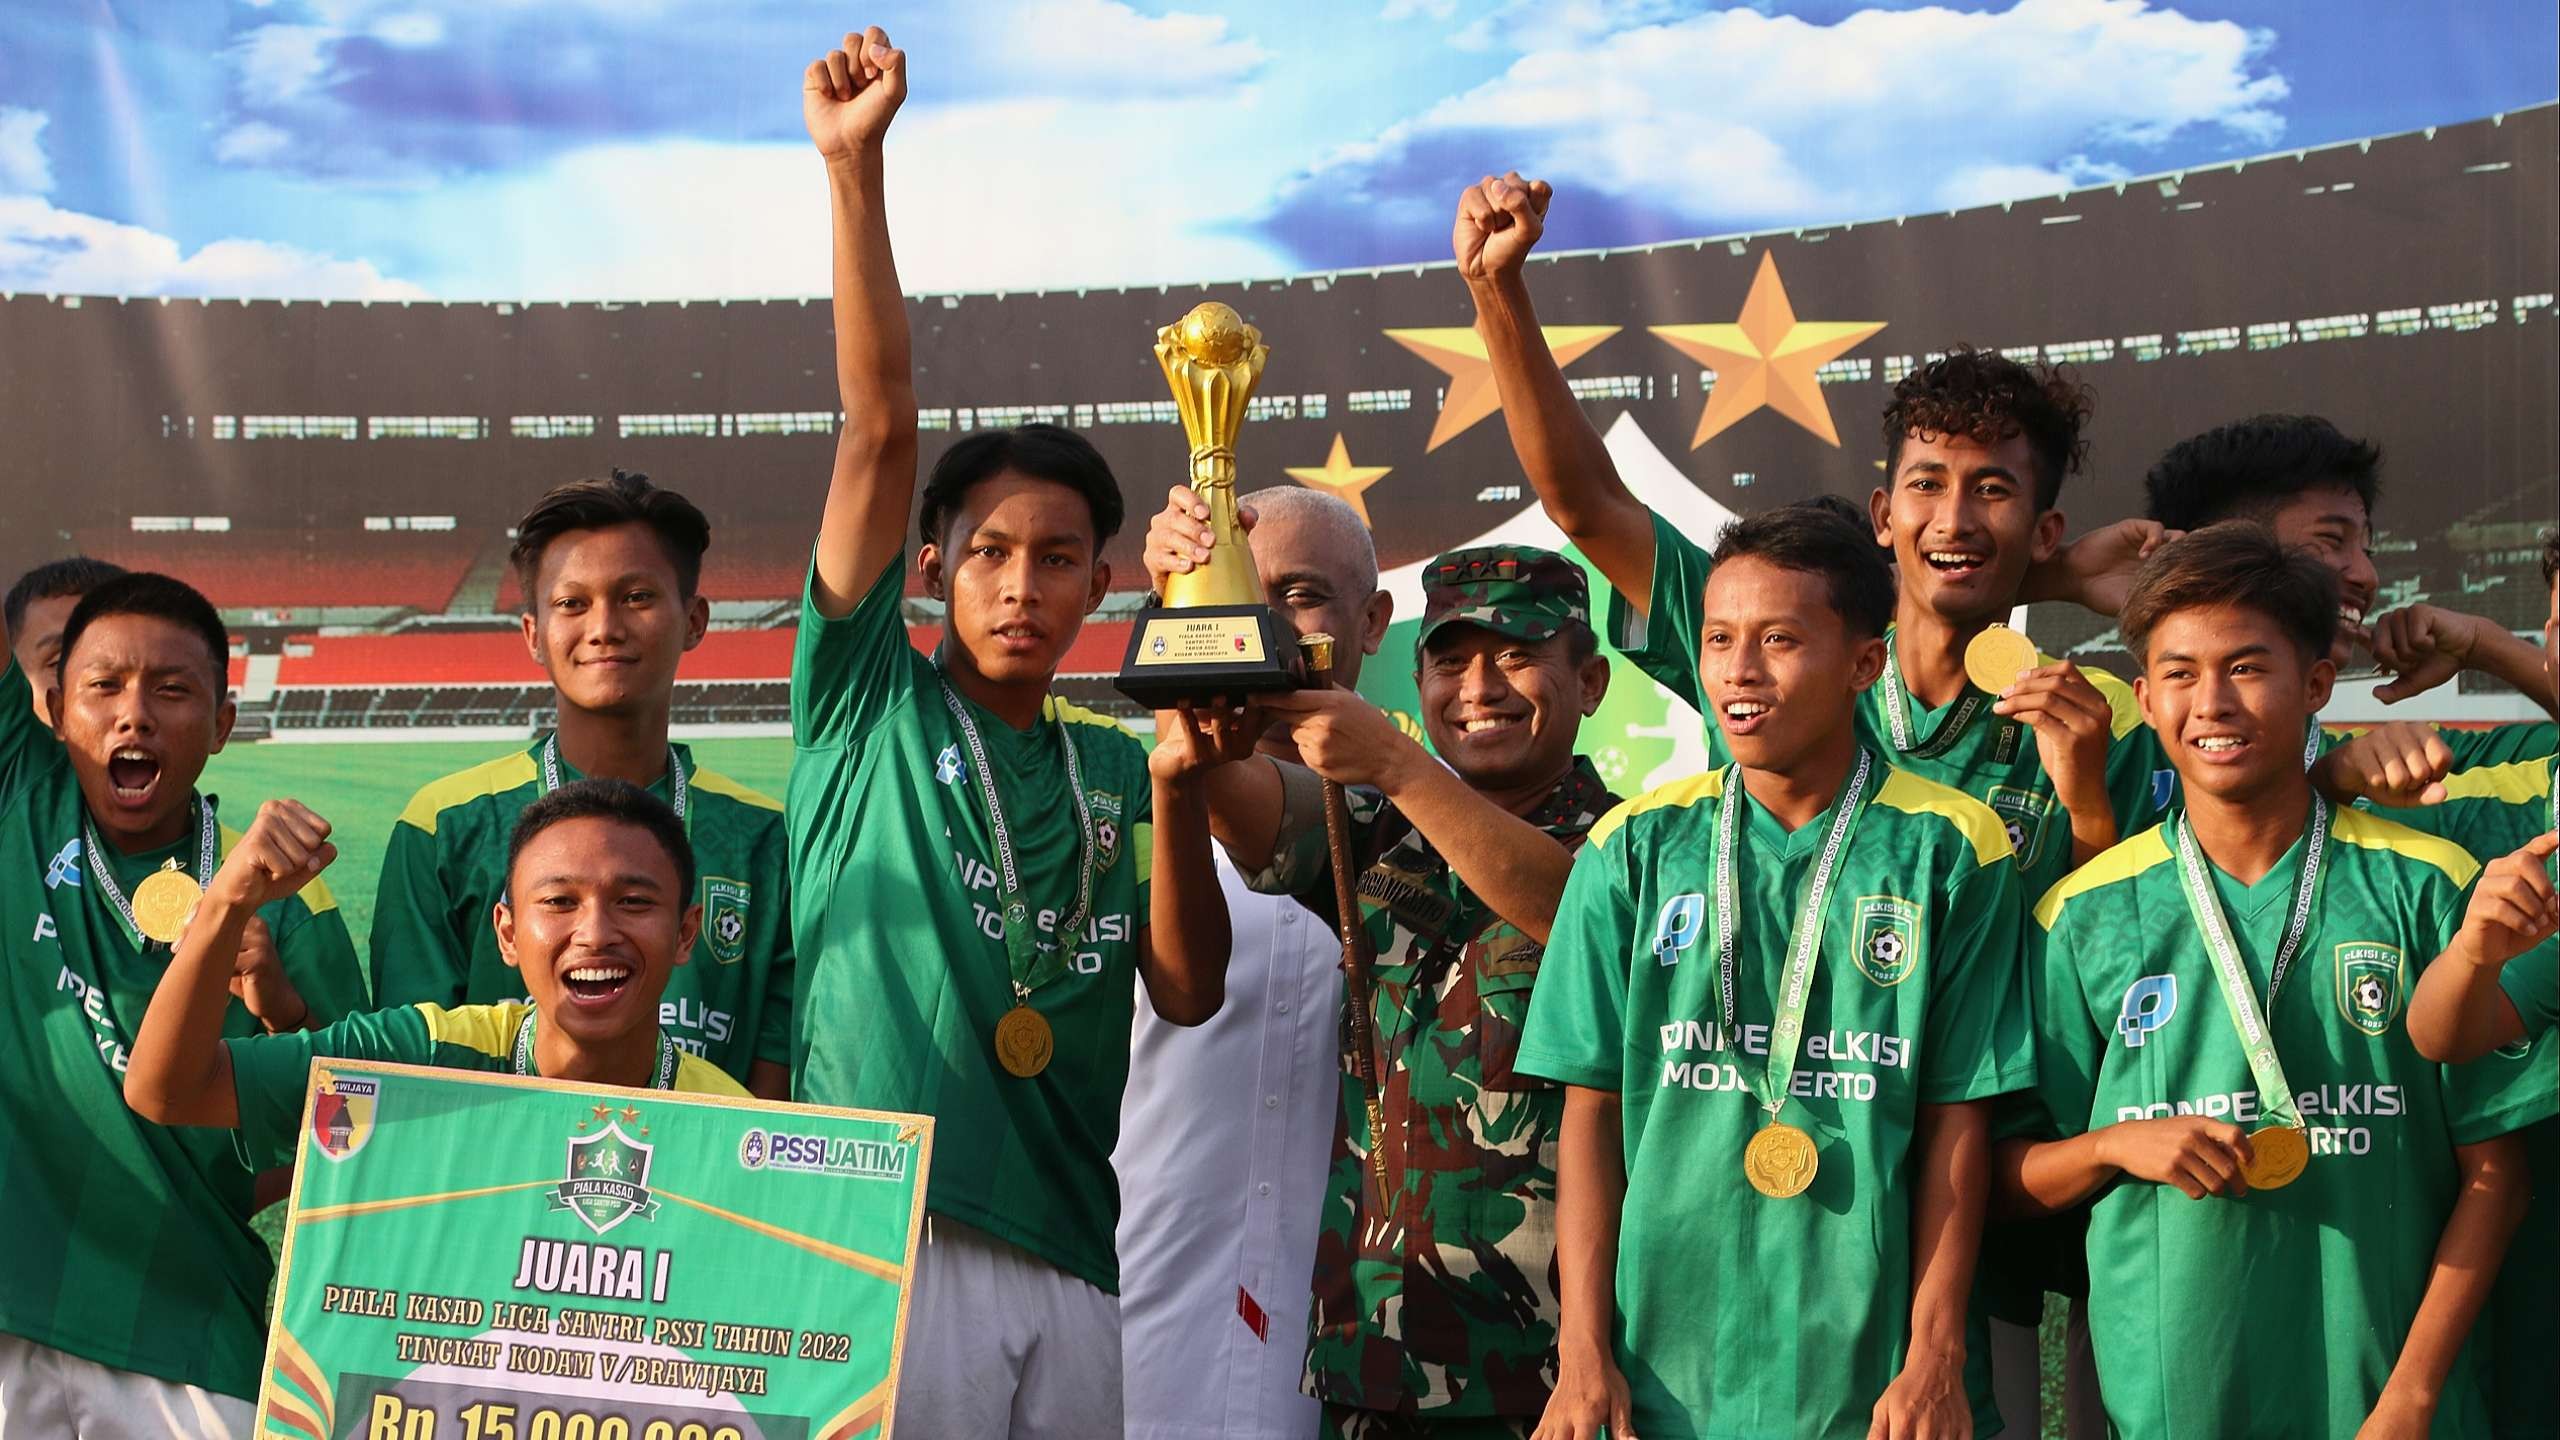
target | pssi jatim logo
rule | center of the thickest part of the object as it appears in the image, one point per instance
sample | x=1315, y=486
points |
x=762, y=1149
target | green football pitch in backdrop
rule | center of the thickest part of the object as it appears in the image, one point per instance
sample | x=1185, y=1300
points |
x=361, y=787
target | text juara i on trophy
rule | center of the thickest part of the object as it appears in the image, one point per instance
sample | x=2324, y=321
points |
x=1213, y=637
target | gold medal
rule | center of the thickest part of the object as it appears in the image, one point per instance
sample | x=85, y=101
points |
x=1995, y=658
x=163, y=904
x=1780, y=1161
x=1024, y=1042
x=2279, y=1154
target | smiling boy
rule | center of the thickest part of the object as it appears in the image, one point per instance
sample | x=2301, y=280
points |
x=598, y=916
x=1781, y=995
x=611, y=571
x=2282, y=1185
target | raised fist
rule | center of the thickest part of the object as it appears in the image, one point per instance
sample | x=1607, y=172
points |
x=1499, y=218
x=848, y=95
x=286, y=848
x=2400, y=763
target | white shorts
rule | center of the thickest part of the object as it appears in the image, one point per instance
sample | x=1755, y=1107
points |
x=1003, y=1345
x=48, y=1395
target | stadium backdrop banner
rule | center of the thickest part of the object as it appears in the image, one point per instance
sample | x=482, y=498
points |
x=475, y=1257
x=340, y=478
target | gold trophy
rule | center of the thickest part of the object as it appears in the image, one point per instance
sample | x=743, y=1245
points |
x=1214, y=637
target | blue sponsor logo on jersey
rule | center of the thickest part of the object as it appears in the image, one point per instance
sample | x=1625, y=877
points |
x=1683, y=916
x=2164, y=784
x=2148, y=1004
x=65, y=869
x=948, y=767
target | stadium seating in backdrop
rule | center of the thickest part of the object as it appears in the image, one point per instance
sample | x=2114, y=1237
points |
x=485, y=678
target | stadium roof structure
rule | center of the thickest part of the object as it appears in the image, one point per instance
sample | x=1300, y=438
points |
x=1812, y=231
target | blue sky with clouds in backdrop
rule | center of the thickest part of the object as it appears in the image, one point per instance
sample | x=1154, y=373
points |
x=650, y=149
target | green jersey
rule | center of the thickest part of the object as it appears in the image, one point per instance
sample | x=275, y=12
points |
x=271, y=1073
x=1739, y=1315
x=1960, y=743
x=2493, y=809
x=2282, y=1312
x=128, y=1242
x=446, y=866
x=898, y=914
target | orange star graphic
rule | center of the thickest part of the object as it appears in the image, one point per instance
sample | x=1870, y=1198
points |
x=1767, y=359
x=630, y=1114
x=1460, y=354
x=1338, y=476
x=602, y=1110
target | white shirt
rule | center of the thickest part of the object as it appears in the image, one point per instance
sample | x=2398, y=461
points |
x=1225, y=1135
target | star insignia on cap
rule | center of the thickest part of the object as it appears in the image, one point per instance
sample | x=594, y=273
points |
x=1767, y=358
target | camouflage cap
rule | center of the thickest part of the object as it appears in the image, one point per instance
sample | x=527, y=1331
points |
x=1515, y=590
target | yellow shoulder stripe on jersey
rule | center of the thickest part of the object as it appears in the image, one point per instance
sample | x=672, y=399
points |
x=2124, y=708
x=2120, y=861
x=494, y=777
x=2372, y=832
x=1677, y=794
x=713, y=782
x=697, y=1076
x=489, y=1029
x=1074, y=714
x=2514, y=782
x=1913, y=795
x=1142, y=851
x=315, y=897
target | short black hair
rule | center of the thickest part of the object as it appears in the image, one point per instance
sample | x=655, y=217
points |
x=1986, y=397
x=616, y=800
x=2550, y=556
x=2248, y=468
x=624, y=498
x=1826, y=536
x=1043, y=452
x=52, y=580
x=163, y=597
x=2236, y=562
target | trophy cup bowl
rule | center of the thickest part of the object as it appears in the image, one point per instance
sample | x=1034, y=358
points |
x=1214, y=636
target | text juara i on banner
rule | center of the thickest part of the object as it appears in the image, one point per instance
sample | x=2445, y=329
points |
x=482, y=1257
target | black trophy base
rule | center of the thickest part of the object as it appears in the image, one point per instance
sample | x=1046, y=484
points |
x=1209, y=652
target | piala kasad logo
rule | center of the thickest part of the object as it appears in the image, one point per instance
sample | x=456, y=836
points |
x=761, y=1149
x=608, y=1174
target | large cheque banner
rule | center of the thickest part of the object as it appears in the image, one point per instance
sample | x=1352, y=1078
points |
x=479, y=1257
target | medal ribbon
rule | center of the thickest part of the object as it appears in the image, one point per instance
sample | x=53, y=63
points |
x=2239, y=994
x=1021, y=941
x=664, y=1080
x=208, y=847
x=1897, y=713
x=1795, y=984
x=680, y=792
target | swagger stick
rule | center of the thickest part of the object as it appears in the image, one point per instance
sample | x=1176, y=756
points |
x=1361, y=1033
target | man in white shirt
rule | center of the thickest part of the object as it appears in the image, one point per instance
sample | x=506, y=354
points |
x=1226, y=1128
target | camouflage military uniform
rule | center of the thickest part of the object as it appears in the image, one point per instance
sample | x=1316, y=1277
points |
x=1439, y=1316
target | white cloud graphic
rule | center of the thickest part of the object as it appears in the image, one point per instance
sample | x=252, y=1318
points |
x=1733, y=116
x=23, y=167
